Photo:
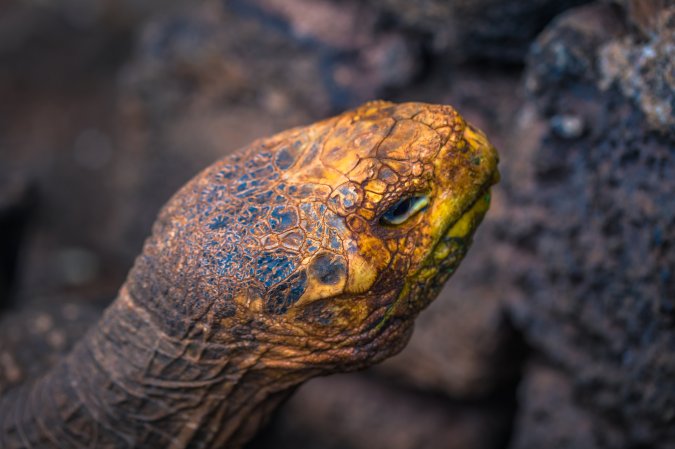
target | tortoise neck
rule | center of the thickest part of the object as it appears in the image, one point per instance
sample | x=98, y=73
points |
x=128, y=384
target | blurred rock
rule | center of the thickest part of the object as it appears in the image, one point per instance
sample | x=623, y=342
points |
x=22, y=21
x=58, y=62
x=32, y=340
x=592, y=226
x=645, y=71
x=592, y=45
x=566, y=53
x=317, y=56
x=358, y=412
x=481, y=30
x=67, y=38
x=361, y=58
x=548, y=411
x=201, y=59
x=567, y=126
x=642, y=15
x=76, y=266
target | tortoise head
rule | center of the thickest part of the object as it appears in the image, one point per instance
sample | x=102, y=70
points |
x=323, y=241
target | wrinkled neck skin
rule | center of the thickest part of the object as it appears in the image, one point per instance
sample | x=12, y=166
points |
x=128, y=384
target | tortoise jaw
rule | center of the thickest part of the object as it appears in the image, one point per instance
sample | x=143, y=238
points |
x=455, y=240
x=464, y=226
x=423, y=286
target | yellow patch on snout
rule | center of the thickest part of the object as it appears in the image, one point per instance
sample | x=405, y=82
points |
x=468, y=222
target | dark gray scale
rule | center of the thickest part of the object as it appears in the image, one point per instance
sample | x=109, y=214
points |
x=287, y=293
x=328, y=268
x=283, y=218
x=284, y=159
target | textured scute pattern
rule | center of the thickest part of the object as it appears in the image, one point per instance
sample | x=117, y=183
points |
x=298, y=211
x=259, y=211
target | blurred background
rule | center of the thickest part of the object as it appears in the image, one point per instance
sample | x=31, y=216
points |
x=558, y=331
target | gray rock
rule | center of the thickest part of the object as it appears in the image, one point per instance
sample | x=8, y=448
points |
x=481, y=30
x=645, y=70
x=594, y=296
x=548, y=411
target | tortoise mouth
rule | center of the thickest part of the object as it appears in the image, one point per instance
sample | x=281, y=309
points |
x=423, y=286
x=469, y=220
x=446, y=255
x=471, y=216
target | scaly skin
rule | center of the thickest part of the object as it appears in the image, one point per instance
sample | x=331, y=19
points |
x=270, y=267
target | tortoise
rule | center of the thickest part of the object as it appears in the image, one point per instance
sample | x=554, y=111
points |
x=303, y=254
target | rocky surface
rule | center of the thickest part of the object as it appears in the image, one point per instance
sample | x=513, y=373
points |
x=549, y=415
x=596, y=299
x=643, y=68
x=490, y=30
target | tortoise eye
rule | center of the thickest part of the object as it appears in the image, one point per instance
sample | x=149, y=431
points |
x=403, y=209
